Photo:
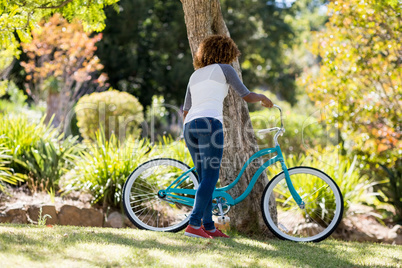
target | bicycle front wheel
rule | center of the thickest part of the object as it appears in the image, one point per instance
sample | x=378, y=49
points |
x=143, y=204
x=322, y=211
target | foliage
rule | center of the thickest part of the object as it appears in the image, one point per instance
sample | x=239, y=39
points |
x=162, y=119
x=48, y=161
x=170, y=148
x=13, y=98
x=269, y=36
x=37, y=150
x=103, y=168
x=392, y=188
x=20, y=18
x=145, y=49
x=355, y=188
x=21, y=134
x=360, y=80
x=60, y=60
x=145, y=46
x=304, y=127
x=117, y=113
x=41, y=219
x=6, y=173
x=6, y=62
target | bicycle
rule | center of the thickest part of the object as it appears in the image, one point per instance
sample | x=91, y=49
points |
x=159, y=195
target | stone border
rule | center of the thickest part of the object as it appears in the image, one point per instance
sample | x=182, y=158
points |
x=67, y=215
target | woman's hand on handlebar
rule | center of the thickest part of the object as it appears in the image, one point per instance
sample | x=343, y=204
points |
x=266, y=102
x=254, y=97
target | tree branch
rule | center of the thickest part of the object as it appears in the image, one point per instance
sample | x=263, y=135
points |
x=55, y=7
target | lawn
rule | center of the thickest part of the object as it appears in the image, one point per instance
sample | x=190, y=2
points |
x=68, y=246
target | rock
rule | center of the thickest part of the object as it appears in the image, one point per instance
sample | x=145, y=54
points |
x=34, y=210
x=128, y=223
x=115, y=220
x=91, y=217
x=14, y=215
x=71, y=215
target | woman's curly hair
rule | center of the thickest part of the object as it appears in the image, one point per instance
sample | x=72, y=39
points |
x=215, y=49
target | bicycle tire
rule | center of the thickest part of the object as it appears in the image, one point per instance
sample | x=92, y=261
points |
x=291, y=224
x=131, y=186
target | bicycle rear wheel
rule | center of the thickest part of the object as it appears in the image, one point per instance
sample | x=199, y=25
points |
x=323, y=206
x=148, y=210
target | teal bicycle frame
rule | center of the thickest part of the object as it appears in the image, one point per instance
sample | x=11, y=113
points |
x=170, y=193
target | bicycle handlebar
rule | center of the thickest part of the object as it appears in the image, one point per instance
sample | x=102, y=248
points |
x=280, y=130
x=280, y=111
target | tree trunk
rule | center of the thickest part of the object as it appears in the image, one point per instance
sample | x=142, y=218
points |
x=58, y=104
x=52, y=108
x=204, y=18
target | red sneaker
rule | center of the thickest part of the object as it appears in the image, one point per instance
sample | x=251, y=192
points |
x=217, y=233
x=192, y=232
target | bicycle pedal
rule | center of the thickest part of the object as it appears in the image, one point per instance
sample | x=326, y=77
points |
x=223, y=219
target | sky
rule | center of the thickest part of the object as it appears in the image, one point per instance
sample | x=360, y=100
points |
x=286, y=3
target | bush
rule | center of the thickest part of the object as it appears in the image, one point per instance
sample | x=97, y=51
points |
x=48, y=161
x=304, y=127
x=118, y=113
x=156, y=116
x=6, y=174
x=302, y=132
x=355, y=188
x=359, y=80
x=170, y=148
x=21, y=135
x=14, y=99
x=392, y=188
x=38, y=151
x=103, y=168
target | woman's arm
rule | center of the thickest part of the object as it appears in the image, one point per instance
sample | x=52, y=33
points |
x=233, y=79
x=184, y=115
x=254, y=97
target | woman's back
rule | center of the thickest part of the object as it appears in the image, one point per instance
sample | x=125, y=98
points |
x=207, y=88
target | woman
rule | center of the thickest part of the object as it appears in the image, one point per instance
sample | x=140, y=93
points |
x=203, y=119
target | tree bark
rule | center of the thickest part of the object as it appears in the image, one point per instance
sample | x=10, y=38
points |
x=52, y=108
x=58, y=105
x=204, y=18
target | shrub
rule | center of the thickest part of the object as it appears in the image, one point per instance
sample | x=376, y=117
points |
x=302, y=131
x=13, y=100
x=355, y=188
x=6, y=174
x=303, y=124
x=118, y=113
x=170, y=148
x=392, y=188
x=21, y=135
x=48, y=161
x=156, y=116
x=38, y=150
x=359, y=80
x=103, y=168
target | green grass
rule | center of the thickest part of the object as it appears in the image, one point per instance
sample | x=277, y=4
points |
x=66, y=246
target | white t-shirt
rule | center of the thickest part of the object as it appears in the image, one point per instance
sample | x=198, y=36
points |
x=207, y=88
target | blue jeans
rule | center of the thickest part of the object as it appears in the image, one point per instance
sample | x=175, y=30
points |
x=204, y=139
